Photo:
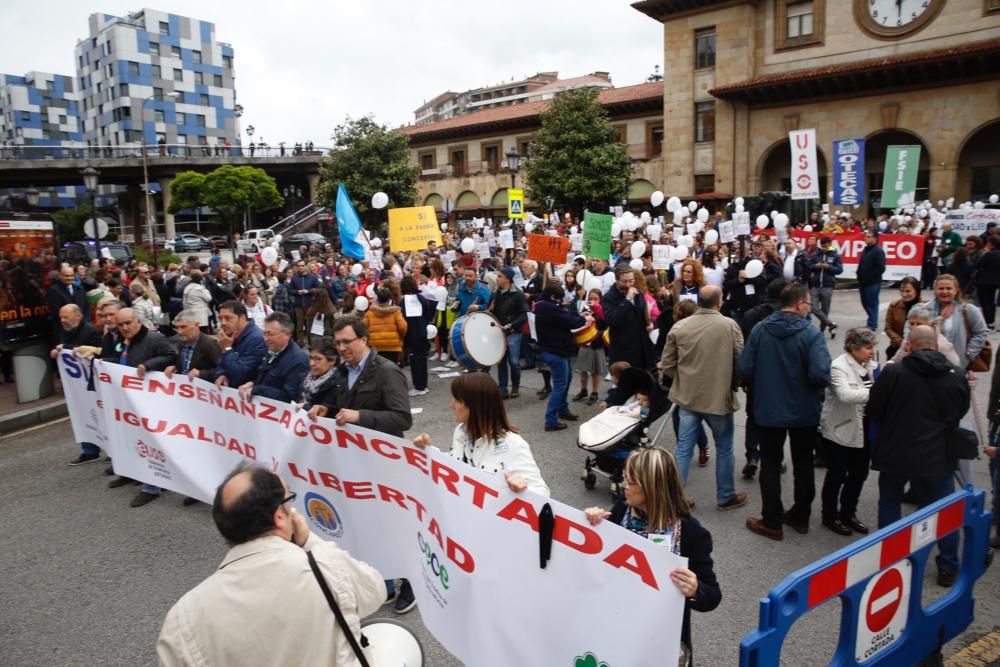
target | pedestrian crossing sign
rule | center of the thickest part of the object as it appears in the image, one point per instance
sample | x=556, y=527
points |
x=515, y=204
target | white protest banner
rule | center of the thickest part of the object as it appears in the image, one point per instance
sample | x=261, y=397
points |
x=972, y=221
x=662, y=258
x=741, y=224
x=805, y=175
x=467, y=544
x=87, y=411
x=904, y=253
x=727, y=231
x=506, y=239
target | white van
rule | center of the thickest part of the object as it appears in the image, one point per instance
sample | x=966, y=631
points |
x=254, y=240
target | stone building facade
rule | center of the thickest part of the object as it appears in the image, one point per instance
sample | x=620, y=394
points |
x=740, y=74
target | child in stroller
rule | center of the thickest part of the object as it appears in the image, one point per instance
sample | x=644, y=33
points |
x=612, y=435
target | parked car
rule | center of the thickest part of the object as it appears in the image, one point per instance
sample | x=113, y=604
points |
x=218, y=241
x=189, y=243
x=84, y=251
x=295, y=241
x=253, y=240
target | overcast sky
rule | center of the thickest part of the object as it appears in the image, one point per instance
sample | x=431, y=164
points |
x=302, y=67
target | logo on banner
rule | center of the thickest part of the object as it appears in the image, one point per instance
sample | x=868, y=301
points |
x=805, y=176
x=323, y=515
x=432, y=561
x=849, y=157
x=588, y=659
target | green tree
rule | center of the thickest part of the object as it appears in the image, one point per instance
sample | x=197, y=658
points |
x=577, y=159
x=368, y=158
x=228, y=190
x=70, y=221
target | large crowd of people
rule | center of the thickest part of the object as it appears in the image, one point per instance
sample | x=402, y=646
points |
x=725, y=327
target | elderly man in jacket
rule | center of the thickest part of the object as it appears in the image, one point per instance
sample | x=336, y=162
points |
x=700, y=354
x=75, y=332
x=143, y=350
x=280, y=374
x=372, y=394
x=916, y=402
x=243, y=347
x=787, y=365
x=264, y=606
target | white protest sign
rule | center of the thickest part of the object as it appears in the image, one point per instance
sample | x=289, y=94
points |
x=727, y=231
x=506, y=239
x=411, y=306
x=576, y=242
x=483, y=250
x=741, y=224
x=662, y=258
x=805, y=175
x=317, y=328
x=401, y=509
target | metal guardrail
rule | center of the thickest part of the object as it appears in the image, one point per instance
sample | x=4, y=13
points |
x=154, y=151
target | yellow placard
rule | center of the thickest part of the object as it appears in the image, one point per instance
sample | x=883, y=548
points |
x=412, y=228
x=515, y=204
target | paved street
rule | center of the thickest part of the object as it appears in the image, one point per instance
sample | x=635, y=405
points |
x=85, y=580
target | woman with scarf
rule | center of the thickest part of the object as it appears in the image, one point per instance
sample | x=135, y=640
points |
x=899, y=310
x=319, y=387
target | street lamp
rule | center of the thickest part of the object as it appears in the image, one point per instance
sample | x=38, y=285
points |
x=150, y=218
x=31, y=194
x=90, y=183
x=292, y=193
x=513, y=166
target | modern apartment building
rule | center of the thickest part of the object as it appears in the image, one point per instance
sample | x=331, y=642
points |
x=152, y=77
x=38, y=109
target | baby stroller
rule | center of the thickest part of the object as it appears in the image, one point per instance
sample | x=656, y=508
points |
x=613, y=434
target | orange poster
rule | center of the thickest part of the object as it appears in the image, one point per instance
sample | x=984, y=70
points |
x=545, y=248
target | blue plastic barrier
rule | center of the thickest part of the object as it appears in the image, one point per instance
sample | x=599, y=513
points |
x=879, y=580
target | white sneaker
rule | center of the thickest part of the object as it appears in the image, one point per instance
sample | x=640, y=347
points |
x=417, y=392
x=452, y=364
x=444, y=356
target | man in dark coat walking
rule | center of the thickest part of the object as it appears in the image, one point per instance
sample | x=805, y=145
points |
x=76, y=331
x=625, y=312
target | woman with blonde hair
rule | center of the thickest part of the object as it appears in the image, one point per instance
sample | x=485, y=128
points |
x=655, y=508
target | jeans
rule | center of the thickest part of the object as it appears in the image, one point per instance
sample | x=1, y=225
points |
x=869, y=300
x=772, y=453
x=90, y=449
x=822, y=296
x=528, y=356
x=418, y=368
x=561, y=373
x=511, y=358
x=995, y=478
x=846, y=472
x=149, y=488
x=702, y=437
x=890, y=496
x=722, y=433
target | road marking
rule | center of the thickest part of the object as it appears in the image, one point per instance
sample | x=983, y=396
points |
x=8, y=436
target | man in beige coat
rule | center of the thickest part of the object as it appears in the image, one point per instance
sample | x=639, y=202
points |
x=700, y=355
x=264, y=606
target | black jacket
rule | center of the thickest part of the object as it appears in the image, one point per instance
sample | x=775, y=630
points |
x=871, y=265
x=737, y=297
x=757, y=314
x=58, y=296
x=627, y=322
x=415, y=339
x=915, y=402
x=204, y=358
x=510, y=307
x=554, y=325
x=696, y=546
x=281, y=378
x=379, y=394
x=988, y=271
x=151, y=349
x=85, y=334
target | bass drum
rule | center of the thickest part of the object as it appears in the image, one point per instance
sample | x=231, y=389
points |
x=478, y=341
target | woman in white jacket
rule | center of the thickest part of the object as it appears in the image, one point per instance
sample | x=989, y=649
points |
x=484, y=437
x=198, y=300
x=843, y=427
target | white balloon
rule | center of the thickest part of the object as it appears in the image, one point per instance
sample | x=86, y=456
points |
x=432, y=331
x=692, y=206
x=269, y=256
x=754, y=268
x=632, y=224
x=711, y=237
x=574, y=230
x=278, y=238
x=685, y=241
x=444, y=226
x=739, y=201
x=528, y=228
x=980, y=204
x=762, y=221
x=616, y=229
x=994, y=199
x=645, y=217
x=809, y=228
x=654, y=232
x=361, y=304
x=467, y=245
x=370, y=291
x=882, y=226
x=679, y=253
x=357, y=270
x=593, y=283
x=781, y=221
x=376, y=242
x=738, y=208
x=636, y=264
x=638, y=249
x=656, y=198
x=673, y=204
x=696, y=227
x=380, y=200
x=774, y=214
x=702, y=214
x=441, y=293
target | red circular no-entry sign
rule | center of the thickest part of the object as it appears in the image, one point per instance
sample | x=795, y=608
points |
x=884, y=600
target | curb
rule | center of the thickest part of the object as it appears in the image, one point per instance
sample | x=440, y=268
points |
x=19, y=419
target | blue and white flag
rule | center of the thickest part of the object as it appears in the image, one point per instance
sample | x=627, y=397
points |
x=349, y=225
x=849, y=172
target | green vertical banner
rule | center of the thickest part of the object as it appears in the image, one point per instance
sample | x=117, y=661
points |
x=597, y=235
x=899, y=185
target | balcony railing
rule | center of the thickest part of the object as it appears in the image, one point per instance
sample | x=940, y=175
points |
x=135, y=150
x=637, y=152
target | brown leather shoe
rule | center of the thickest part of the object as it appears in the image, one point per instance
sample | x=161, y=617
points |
x=735, y=500
x=800, y=527
x=755, y=525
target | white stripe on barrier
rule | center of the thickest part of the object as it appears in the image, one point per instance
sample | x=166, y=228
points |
x=923, y=533
x=863, y=565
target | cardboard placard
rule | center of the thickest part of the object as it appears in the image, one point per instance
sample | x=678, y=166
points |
x=544, y=248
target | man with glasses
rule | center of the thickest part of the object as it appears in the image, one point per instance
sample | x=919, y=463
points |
x=280, y=374
x=243, y=347
x=787, y=365
x=142, y=276
x=372, y=393
x=264, y=578
x=301, y=289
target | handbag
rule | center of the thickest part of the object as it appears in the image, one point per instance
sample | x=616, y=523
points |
x=984, y=359
x=961, y=443
x=363, y=657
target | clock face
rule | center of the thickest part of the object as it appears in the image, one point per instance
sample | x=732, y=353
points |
x=893, y=18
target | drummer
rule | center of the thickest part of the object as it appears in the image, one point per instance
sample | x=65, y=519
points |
x=509, y=306
x=472, y=294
